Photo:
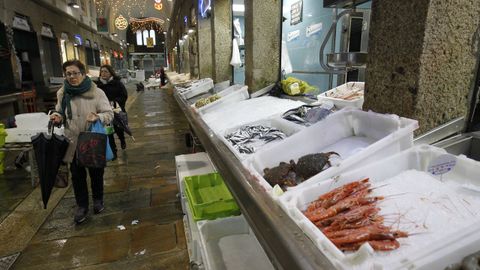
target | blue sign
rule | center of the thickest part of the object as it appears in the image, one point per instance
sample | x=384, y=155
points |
x=78, y=39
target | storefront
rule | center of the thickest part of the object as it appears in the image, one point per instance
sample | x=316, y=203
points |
x=51, y=52
x=27, y=51
x=66, y=47
x=96, y=53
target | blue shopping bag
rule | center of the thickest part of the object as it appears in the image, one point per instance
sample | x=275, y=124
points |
x=99, y=128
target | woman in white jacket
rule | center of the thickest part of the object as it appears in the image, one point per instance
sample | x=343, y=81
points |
x=80, y=101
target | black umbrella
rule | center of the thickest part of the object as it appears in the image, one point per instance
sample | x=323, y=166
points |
x=49, y=152
x=120, y=119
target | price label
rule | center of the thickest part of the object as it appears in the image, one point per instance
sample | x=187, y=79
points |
x=442, y=164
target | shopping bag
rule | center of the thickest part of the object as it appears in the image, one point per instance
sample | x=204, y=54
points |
x=98, y=127
x=92, y=147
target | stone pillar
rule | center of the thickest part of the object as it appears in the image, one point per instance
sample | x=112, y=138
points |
x=205, y=48
x=422, y=59
x=222, y=40
x=262, y=43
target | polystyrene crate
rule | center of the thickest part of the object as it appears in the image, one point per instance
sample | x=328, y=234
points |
x=442, y=212
x=277, y=122
x=209, y=197
x=247, y=111
x=358, y=137
x=36, y=120
x=229, y=243
x=230, y=95
x=19, y=135
x=197, y=88
x=341, y=103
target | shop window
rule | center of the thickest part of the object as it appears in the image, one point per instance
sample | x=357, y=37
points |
x=145, y=36
x=152, y=35
x=142, y=36
x=139, y=38
x=63, y=48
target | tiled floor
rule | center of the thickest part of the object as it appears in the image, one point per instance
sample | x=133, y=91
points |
x=139, y=187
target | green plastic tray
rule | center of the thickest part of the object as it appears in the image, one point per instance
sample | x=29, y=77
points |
x=209, y=198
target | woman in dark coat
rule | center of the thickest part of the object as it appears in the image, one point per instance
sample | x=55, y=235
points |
x=116, y=93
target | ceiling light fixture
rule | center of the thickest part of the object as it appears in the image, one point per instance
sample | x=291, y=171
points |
x=238, y=8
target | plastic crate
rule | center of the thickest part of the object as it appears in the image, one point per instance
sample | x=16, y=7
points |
x=277, y=122
x=358, y=137
x=234, y=93
x=209, y=197
x=229, y=243
x=441, y=211
x=342, y=103
x=197, y=88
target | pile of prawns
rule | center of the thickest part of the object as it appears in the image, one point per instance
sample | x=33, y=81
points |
x=349, y=218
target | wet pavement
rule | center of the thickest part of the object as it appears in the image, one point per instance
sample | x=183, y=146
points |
x=140, y=195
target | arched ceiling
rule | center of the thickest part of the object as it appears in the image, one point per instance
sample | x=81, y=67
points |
x=111, y=9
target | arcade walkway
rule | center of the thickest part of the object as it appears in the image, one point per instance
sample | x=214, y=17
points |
x=141, y=227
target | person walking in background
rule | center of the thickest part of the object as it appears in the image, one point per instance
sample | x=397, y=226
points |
x=116, y=93
x=163, y=77
x=79, y=101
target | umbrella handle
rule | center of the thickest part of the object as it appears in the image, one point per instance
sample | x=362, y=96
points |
x=50, y=127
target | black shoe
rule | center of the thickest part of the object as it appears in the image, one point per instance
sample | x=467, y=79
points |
x=123, y=145
x=80, y=214
x=98, y=206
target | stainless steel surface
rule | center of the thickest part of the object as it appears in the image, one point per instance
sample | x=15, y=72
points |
x=262, y=91
x=342, y=3
x=467, y=144
x=283, y=241
x=347, y=59
x=453, y=127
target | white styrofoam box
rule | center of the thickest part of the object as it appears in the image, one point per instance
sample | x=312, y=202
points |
x=247, y=111
x=359, y=137
x=197, y=88
x=229, y=243
x=287, y=127
x=193, y=242
x=19, y=135
x=441, y=212
x=234, y=93
x=342, y=103
x=221, y=86
x=36, y=120
x=192, y=164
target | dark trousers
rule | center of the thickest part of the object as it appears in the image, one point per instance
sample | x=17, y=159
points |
x=111, y=140
x=79, y=180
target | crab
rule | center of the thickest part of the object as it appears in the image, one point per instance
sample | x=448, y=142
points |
x=309, y=165
x=282, y=175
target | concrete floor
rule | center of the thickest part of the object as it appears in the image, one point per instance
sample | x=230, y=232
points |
x=139, y=186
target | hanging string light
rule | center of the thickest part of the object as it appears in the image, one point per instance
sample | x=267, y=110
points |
x=146, y=24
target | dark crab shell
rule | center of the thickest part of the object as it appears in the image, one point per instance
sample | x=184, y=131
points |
x=309, y=165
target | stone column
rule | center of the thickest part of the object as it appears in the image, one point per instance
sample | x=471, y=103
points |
x=422, y=59
x=205, y=48
x=262, y=43
x=222, y=40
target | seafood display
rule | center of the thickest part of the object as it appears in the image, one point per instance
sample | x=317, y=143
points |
x=349, y=217
x=307, y=114
x=249, y=138
x=204, y=101
x=348, y=93
x=291, y=174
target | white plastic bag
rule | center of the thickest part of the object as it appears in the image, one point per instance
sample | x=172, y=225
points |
x=237, y=33
x=235, y=61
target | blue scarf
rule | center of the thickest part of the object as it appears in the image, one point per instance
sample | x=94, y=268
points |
x=71, y=91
